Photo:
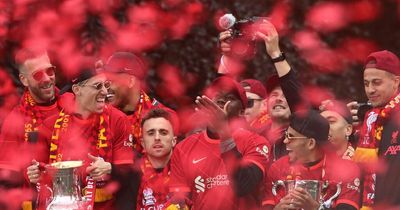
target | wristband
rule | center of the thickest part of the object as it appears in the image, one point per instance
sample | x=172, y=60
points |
x=280, y=58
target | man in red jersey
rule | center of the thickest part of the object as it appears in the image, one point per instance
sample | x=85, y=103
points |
x=18, y=132
x=126, y=71
x=340, y=127
x=89, y=130
x=307, y=144
x=223, y=166
x=158, y=127
x=255, y=112
x=275, y=121
x=38, y=102
x=308, y=159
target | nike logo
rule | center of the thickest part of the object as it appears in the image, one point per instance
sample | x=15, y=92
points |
x=198, y=160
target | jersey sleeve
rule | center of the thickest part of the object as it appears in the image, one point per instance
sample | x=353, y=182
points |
x=254, y=149
x=122, y=152
x=178, y=181
x=271, y=177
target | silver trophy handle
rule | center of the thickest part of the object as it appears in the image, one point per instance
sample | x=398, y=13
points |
x=328, y=203
x=276, y=184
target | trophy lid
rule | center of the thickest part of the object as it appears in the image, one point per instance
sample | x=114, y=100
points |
x=66, y=164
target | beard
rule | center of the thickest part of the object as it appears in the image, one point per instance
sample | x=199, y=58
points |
x=42, y=96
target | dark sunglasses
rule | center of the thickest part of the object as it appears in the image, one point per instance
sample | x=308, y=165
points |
x=39, y=74
x=99, y=85
x=250, y=102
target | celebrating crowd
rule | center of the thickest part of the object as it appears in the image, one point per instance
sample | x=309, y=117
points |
x=252, y=146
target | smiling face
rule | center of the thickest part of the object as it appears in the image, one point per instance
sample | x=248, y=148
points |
x=338, y=129
x=118, y=93
x=298, y=146
x=277, y=106
x=158, y=137
x=255, y=106
x=91, y=94
x=380, y=86
x=38, y=75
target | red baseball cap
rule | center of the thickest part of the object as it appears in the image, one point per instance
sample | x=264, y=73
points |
x=384, y=60
x=125, y=62
x=256, y=87
x=227, y=84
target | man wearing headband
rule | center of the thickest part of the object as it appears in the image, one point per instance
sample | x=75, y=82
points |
x=340, y=127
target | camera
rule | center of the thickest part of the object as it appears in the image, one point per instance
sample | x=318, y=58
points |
x=243, y=34
x=363, y=108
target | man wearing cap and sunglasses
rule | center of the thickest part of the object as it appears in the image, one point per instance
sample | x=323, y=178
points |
x=90, y=130
x=255, y=112
x=38, y=102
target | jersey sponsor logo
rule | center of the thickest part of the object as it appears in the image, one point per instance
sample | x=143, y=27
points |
x=195, y=161
x=264, y=151
x=129, y=143
x=201, y=184
x=355, y=186
x=392, y=150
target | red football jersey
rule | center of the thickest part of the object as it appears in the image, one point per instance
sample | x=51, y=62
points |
x=197, y=167
x=153, y=191
x=77, y=143
x=14, y=151
x=332, y=169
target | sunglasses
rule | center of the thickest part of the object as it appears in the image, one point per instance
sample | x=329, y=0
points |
x=291, y=137
x=99, y=85
x=39, y=74
x=250, y=102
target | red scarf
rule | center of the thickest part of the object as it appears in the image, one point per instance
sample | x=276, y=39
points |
x=144, y=105
x=371, y=132
x=261, y=121
x=32, y=115
x=98, y=136
x=370, y=137
x=153, y=190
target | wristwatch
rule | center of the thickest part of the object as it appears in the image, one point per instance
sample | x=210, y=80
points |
x=280, y=58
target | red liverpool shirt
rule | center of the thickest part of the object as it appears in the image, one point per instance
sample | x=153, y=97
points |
x=153, y=191
x=197, y=167
x=76, y=145
x=331, y=169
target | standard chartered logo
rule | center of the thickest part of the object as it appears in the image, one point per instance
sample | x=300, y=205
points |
x=201, y=184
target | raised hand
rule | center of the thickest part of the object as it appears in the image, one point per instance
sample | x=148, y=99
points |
x=217, y=117
x=267, y=32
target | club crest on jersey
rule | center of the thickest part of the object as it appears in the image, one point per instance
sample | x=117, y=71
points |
x=129, y=143
x=148, y=198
